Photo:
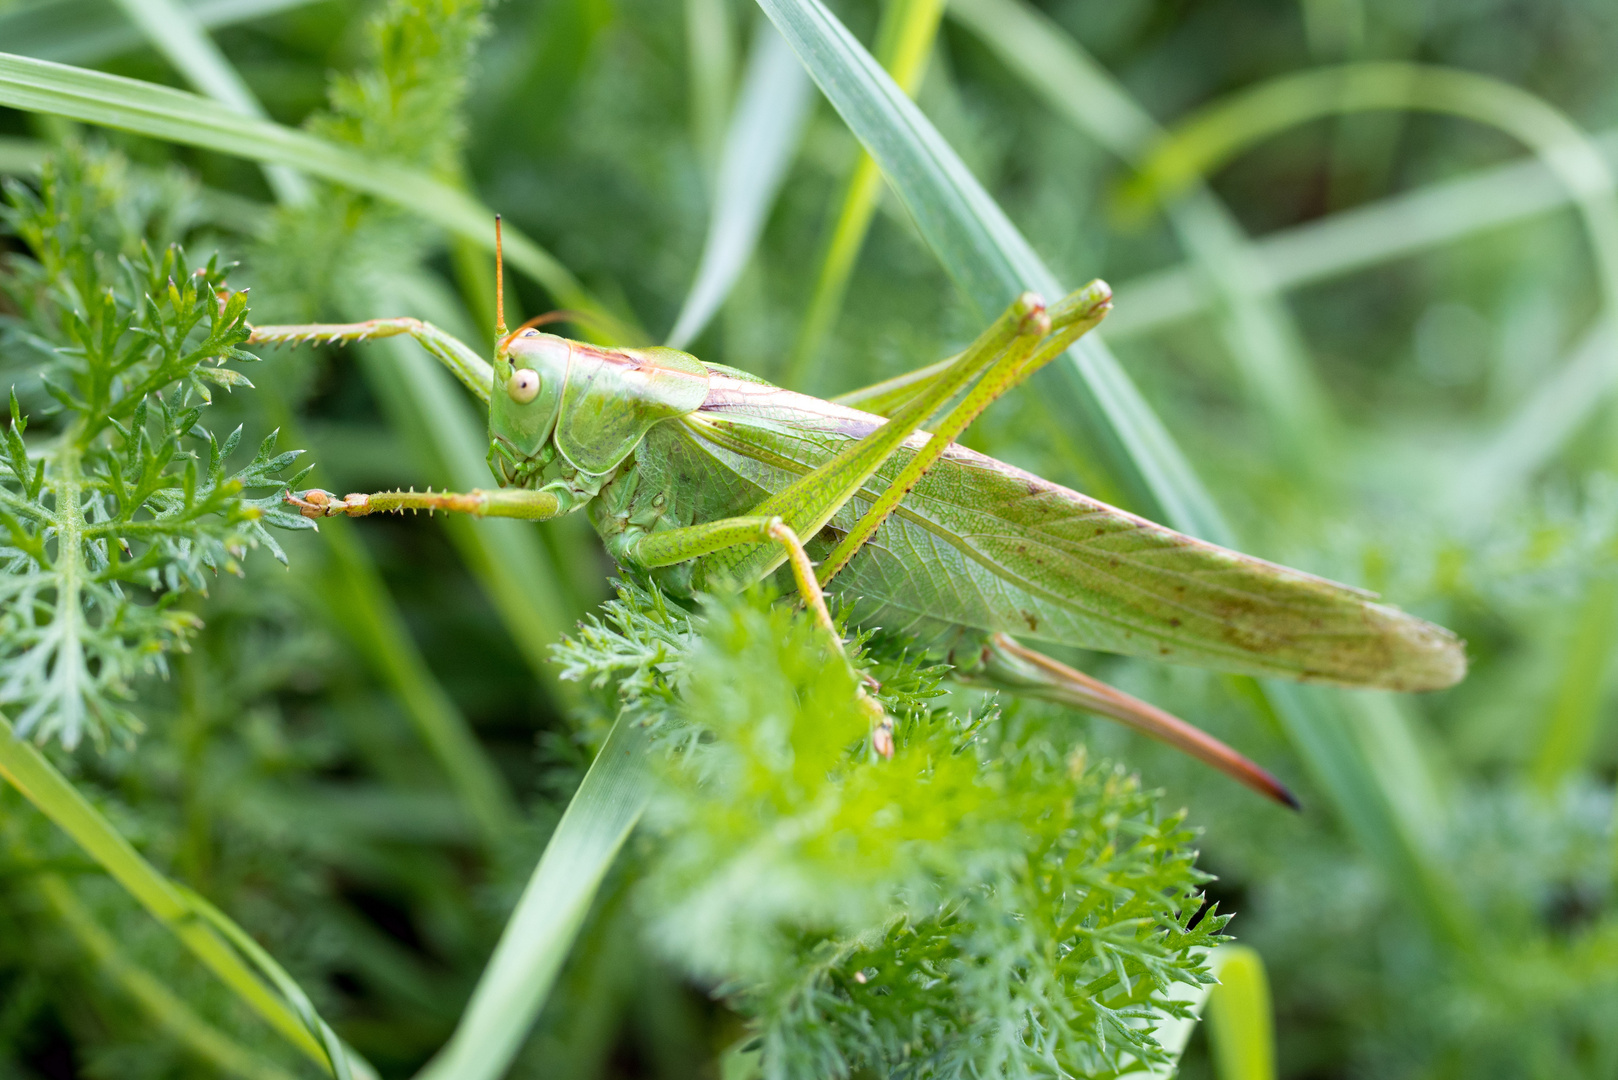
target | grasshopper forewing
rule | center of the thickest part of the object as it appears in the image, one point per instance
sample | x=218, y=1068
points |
x=697, y=475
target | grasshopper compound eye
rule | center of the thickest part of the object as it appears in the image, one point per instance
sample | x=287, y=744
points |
x=523, y=386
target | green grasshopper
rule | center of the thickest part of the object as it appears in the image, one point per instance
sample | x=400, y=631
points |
x=699, y=477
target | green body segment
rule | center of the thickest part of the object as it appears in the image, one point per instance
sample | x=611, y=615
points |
x=979, y=547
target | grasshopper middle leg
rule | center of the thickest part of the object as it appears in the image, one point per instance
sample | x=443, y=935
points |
x=672, y=546
x=506, y=502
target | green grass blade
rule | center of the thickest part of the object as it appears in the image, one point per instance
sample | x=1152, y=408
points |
x=166, y=1009
x=1220, y=131
x=337, y=1055
x=359, y=602
x=765, y=129
x=1323, y=729
x=1240, y=1028
x=904, y=40
x=541, y=930
x=39, y=781
x=89, y=31
x=175, y=116
x=991, y=262
x=173, y=30
x=346, y=582
x=1259, y=333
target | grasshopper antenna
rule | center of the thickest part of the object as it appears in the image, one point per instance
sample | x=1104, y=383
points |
x=499, y=284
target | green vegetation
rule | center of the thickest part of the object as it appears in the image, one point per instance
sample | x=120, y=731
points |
x=274, y=822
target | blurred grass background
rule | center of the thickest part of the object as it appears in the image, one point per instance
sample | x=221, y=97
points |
x=1382, y=337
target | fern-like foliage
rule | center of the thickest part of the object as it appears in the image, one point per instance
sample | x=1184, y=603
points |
x=120, y=501
x=989, y=903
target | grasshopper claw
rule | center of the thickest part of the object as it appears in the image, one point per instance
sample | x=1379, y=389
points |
x=882, y=739
x=317, y=503
x=311, y=503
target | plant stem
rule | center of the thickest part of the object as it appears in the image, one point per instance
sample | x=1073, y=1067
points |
x=540, y=932
x=160, y=1003
x=28, y=770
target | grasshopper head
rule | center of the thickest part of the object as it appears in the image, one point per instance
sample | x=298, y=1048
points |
x=529, y=374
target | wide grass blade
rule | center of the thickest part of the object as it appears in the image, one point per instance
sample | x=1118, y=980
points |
x=175, y=116
x=541, y=930
x=31, y=773
x=981, y=249
x=765, y=129
x=89, y=31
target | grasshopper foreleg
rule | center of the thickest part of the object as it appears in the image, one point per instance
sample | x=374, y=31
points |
x=678, y=545
x=506, y=502
x=474, y=372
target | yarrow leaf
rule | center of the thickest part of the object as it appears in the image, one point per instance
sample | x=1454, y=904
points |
x=125, y=501
x=988, y=903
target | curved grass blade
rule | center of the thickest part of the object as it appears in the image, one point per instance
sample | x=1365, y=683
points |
x=31, y=773
x=173, y=30
x=765, y=129
x=339, y=1058
x=166, y=1009
x=541, y=930
x=976, y=243
x=1218, y=132
x=89, y=31
x=176, y=116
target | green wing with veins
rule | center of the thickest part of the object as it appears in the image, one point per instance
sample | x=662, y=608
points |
x=980, y=545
